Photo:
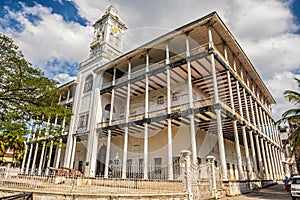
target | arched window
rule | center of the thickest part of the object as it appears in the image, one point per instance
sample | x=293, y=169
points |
x=88, y=85
x=160, y=100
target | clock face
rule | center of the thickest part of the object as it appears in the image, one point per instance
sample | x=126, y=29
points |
x=115, y=29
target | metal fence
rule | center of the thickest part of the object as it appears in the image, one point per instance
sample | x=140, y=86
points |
x=198, y=181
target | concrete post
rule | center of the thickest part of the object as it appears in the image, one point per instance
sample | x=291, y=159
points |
x=211, y=161
x=188, y=183
x=262, y=145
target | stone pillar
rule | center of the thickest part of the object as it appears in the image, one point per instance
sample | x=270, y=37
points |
x=191, y=104
x=109, y=131
x=217, y=110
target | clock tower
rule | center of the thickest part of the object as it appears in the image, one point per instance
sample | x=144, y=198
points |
x=109, y=33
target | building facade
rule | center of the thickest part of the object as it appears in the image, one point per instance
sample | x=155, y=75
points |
x=193, y=88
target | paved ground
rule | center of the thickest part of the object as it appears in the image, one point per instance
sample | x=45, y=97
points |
x=273, y=192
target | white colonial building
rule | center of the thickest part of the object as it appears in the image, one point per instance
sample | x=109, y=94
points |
x=193, y=88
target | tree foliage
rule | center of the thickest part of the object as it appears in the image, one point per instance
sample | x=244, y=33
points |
x=25, y=95
x=292, y=118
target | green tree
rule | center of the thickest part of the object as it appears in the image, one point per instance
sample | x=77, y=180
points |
x=292, y=118
x=25, y=94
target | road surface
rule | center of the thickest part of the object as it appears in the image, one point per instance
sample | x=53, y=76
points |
x=274, y=192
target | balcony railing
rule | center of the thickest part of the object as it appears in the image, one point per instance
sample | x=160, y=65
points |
x=160, y=112
x=158, y=65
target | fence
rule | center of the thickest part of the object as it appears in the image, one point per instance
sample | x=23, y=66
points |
x=198, y=181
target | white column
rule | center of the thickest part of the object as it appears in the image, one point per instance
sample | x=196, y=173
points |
x=253, y=154
x=218, y=111
x=230, y=92
x=58, y=154
x=42, y=158
x=263, y=127
x=257, y=116
x=268, y=160
x=49, y=158
x=238, y=151
x=170, y=146
x=109, y=131
x=73, y=152
x=26, y=148
x=34, y=158
x=266, y=170
x=92, y=144
x=272, y=166
x=260, y=162
x=248, y=162
x=125, y=148
x=277, y=174
x=29, y=159
x=191, y=104
x=146, y=116
x=24, y=158
x=58, y=150
x=278, y=152
x=239, y=100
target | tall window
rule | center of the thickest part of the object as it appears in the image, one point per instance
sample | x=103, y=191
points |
x=175, y=96
x=88, y=84
x=83, y=121
x=160, y=100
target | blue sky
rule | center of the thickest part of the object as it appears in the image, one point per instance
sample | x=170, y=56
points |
x=55, y=35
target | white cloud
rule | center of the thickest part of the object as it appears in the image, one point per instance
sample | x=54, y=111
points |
x=64, y=78
x=265, y=29
x=277, y=85
x=51, y=38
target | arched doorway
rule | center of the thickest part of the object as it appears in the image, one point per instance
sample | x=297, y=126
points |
x=101, y=161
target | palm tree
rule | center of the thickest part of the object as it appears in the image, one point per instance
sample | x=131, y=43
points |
x=292, y=118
